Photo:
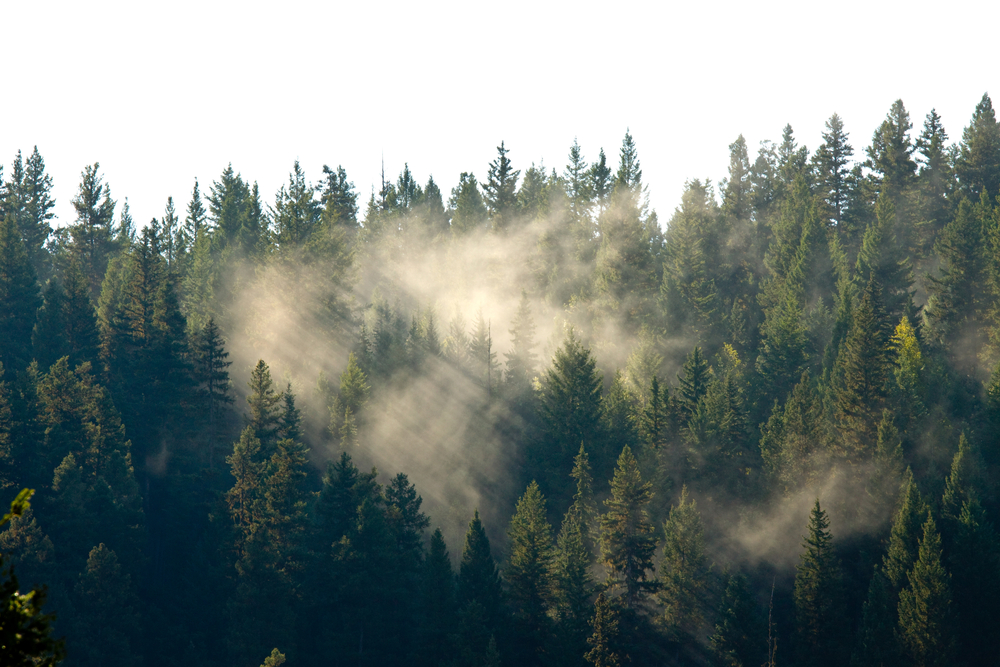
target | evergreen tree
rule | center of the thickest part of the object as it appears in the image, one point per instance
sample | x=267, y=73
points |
x=863, y=374
x=483, y=362
x=684, y=567
x=338, y=198
x=978, y=162
x=818, y=605
x=694, y=378
x=603, y=642
x=600, y=180
x=739, y=628
x=528, y=574
x=211, y=376
x=478, y=576
x=876, y=643
x=244, y=498
x=573, y=587
x=904, y=538
x=19, y=298
x=109, y=633
x=627, y=537
x=438, y=610
x=92, y=232
x=499, y=191
x=936, y=180
x=890, y=154
x=30, y=200
x=927, y=628
x=263, y=403
x=832, y=160
x=570, y=400
x=520, y=359
x=465, y=206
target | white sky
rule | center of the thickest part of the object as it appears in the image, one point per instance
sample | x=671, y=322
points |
x=161, y=93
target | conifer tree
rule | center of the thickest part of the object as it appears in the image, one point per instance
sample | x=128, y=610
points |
x=30, y=200
x=244, y=498
x=109, y=633
x=927, y=630
x=978, y=162
x=904, y=539
x=627, y=537
x=570, y=402
x=438, y=612
x=499, y=191
x=604, y=639
x=736, y=641
x=211, y=375
x=573, y=587
x=831, y=160
x=863, y=373
x=264, y=410
x=528, y=574
x=92, y=232
x=936, y=180
x=890, y=153
x=478, y=576
x=339, y=200
x=683, y=568
x=876, y=644
x=818, y=604
x=465, y=205
x=694, y=379
x=521, y=359
x=19, y=297
x=483, y=357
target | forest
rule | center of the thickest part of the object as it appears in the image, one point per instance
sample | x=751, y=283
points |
x=523, y=422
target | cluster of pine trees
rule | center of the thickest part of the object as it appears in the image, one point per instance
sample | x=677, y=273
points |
x=815, y=327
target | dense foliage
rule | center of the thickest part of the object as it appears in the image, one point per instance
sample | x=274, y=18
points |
x=765, y=430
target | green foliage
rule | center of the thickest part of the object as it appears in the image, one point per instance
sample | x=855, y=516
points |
x=604, y=638
x=683, y=568
x=19, y=298
x=628, y=539
x=818, y=603
x=926, y=620
x=528, y=574
x=739, y=630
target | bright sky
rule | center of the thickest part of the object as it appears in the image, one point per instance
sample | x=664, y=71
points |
x=161, y=93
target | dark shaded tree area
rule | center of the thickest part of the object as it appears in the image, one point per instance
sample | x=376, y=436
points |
x=814, y=333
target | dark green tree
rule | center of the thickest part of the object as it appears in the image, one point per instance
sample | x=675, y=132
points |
x=927, y=628
x=528, y=575
x=978, y=162
x=93, y=242
x=628, y=539
x=684, y=567
x=819, y=613
x=499, y=191
x=739, y=628
x=604, y=639
x=19, y=297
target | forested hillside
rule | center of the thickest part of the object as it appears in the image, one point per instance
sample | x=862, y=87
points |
x=526, y=422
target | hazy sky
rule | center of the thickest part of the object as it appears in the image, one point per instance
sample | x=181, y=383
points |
x=161, y=93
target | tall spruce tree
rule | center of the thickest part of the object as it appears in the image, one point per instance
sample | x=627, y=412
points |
x=628, y=539
x=819, y=614
x=927, y=629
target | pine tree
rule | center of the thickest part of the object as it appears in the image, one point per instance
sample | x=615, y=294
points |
x=579, y=188
x=438, y=611
x=499, y=191
x=244, y=499
x=936, y=180
x=211, y=375
x=876, y=644
x=339, y=200
x=570, y=402
x=889, y=156
x=263, y=403
x=520, y=359
x=92, y=232
x=628, y=539
x=683, y=568
x=861, y=384
x=573, y=586
x=478, y=576
x=927, y=629
x=483, y=357
x=818, y=607
x=19, y=297
x=108, y=634
x=831, y=160
x=30, y=200
x=904, y=538
x=466, y=207
x=978, y=162
x=528, y=574
x=739, y=629
x=603, y=641
x=694, y=378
